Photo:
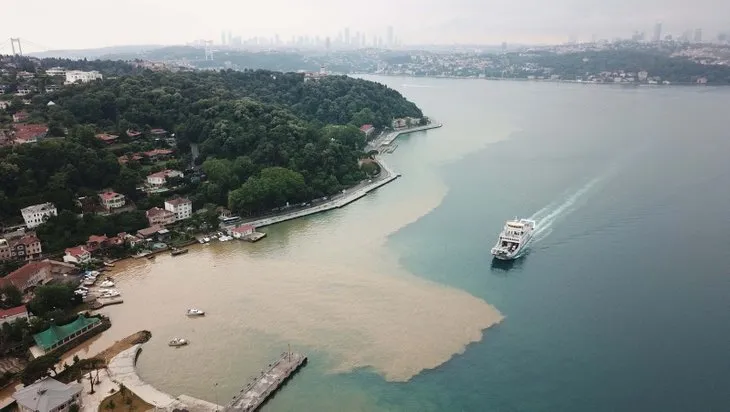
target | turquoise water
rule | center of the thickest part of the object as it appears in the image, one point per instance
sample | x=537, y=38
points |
x=623, y=302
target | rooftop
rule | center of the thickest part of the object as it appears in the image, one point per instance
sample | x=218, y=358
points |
x=109, y=195
x=158, y=152
x=19, y=277
x=157, y=211
x=46, y=395
x=106, y=137
x=29, y=131
x=146, y=232
x=43, y=207
x=76, y=251
x=178, y=201
x=5, y=313
x=54, y=334
x=165, y=173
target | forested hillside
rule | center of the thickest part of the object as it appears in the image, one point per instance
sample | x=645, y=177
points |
x=267, y=137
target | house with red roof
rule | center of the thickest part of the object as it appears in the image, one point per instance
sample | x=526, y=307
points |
x=157, y=180
x=368, y=129
x=25, y=247
x=30, y=275
x=133, y=133
x=96, y=242
x=158, y=132
x=13, y=314
x=160, y=216
x=157, y=154
x=107, y=138
x=242, y=231
x=29, y=133
x=112, y=200
x=78, y=254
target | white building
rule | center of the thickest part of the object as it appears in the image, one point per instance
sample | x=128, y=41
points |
x=56, y=71
x=181, y=207
x=48, y=395
x=37, y=214
x=77, y=254
x=73, y=76
x=160, y=178
x=112, y=200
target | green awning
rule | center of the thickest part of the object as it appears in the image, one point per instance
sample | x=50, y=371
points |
x=51, y=336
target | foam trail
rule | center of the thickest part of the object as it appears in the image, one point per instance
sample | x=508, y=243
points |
x=547, y=216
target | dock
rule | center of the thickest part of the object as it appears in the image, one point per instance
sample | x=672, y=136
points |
x=254, y=237
x=265, y=385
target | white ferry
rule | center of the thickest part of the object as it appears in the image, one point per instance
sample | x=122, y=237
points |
x=514, y=239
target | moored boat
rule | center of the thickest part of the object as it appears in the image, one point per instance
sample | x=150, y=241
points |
x=195, y=312
x=513, y=239
x=176, y=251
x=177, y=342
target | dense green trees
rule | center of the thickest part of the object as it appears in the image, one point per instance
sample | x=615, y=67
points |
x=50, y=298
x=68, y=229
x=270, y=137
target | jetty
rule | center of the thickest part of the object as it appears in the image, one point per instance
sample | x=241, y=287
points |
x=265, y=385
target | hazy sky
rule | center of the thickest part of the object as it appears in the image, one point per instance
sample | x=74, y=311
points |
x=96, y=23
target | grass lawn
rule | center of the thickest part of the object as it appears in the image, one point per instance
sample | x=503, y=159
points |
x=126, y=401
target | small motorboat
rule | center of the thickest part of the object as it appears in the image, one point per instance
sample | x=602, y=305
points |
x=176, y=251
x=195, y=312
x=107, y=284
x=110, y=294
x=178, y=342
x=206, y=239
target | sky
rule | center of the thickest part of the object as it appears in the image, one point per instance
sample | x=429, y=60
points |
x=46, y=24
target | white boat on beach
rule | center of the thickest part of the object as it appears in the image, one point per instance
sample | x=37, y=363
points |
x=195, y=312
x=107, y=284
x=110, y=294
x=178, y=342
x=513, y=239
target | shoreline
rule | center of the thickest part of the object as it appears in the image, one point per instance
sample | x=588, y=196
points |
x=123, y=370
x=352, y=194
x=683, y=84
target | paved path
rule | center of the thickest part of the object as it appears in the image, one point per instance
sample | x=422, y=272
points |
x=123, y=370
x=354, y=193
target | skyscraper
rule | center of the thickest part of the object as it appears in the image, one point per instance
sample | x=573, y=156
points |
x=347, y=35
x=223, y=37
x=698, y=36
x=657, y=32
x=390, y=36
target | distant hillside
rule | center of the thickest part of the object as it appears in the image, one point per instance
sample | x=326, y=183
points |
x=95, y=53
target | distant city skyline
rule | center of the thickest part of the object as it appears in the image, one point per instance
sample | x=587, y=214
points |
x=486, y=22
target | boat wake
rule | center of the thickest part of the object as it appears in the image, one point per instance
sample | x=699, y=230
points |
x=552, y=213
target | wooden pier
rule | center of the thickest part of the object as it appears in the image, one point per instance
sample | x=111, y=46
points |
x=265, y=385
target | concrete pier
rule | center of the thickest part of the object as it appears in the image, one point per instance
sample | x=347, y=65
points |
x=260, y=389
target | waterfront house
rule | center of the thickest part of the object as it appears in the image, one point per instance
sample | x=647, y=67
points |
x=25, y=247
x=13, y=314
x=157, y=180
x=29, y=276
x=112, y=200
x=56, y=336
x=241, y=232
x=107, y=138
x=35, y=215
x=182, y=207
x=48, y=395
x=160, y=216
x=78, y=254
x=368, y=129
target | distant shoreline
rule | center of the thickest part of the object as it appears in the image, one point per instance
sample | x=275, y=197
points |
x=685, y=84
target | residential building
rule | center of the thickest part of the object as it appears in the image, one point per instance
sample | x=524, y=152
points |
x=56, y=336
x=13, y=314
x=96, y=242
x=241, y=231
x=20, y=117
x=25, y=75
x=368, y=129
x=133, y=133
x=35, y=215
x=149, y=232
x=160, y=178
x=73, y=76
x=50, y=89
x=182, y=207
x=24, y=90
x=78, y=254
x=112, y=200
x=107, y=138
x=56, y=71
x=159, y=216
x=29, y=133
x=30, y=275
x=26, y=247
x=399, y=123
x=4, y=104
x=158, y=132
x=158, y=154
x=48, y=395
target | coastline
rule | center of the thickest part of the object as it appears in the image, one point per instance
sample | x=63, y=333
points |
x=515, y=79
x=354, y=193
